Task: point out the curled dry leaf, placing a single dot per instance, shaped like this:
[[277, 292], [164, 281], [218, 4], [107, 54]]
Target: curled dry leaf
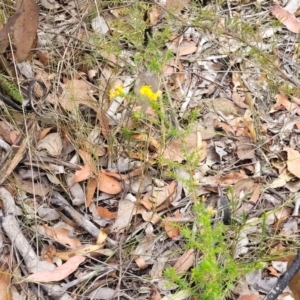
[[105, 213], [84, 173], [90, 191], [177, 149], [58, 273], [170, 228], [85, 249], [125, 212], [33, 188], [245, 148], [145, 248], [149, 216], [102, 236], [184, 262], [25, 29], [232, 178], [154, 14], [60, 235], [286, 18], [52, 143], [187, 49], [293, 161], [283, 102], [108, 184], [155, 295]]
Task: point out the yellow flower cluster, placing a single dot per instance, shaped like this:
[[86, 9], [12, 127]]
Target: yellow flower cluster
[[117, 91], [147, 91]]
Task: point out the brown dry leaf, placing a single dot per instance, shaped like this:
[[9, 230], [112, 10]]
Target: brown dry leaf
[[79, 92], [255, 195], [44, 132], [179, 76], [103, 122], [154, 295], [282, 215], [108, 184], [34, 188], [283, 102], [84, 173], [245, 148], [286, 18], [176, 5], [132, 174], [4, 41], [25, 29], [6, 132], [85, 249], [293, 161], [58, 273], [149, 216], [105, 213], [243, 127], [76, 92], [247, 206], [224, 126], [232, 178], [184, 262], [239, 100], [244, 187], [177, 148], [160, 194], [52, 143], [154, 14], [48, 253], [273, 271], [148, 204], [5, 291], [150, 140], [171, 229], [60, 235], [86, 157], [87, 170], [187, 49], [90, 191], [251, 128]]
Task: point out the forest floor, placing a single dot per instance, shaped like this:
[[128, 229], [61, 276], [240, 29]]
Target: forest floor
[[149, 149]]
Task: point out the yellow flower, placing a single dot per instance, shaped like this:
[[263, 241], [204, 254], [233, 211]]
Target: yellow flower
[[211, 211], [147, 91], [115, 92]]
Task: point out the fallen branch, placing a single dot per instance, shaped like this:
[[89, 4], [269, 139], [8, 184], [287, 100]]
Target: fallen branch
[[13, 231], [64, 206], [285, 279]]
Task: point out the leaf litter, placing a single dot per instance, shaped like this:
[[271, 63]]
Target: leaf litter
[[103, 186]]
